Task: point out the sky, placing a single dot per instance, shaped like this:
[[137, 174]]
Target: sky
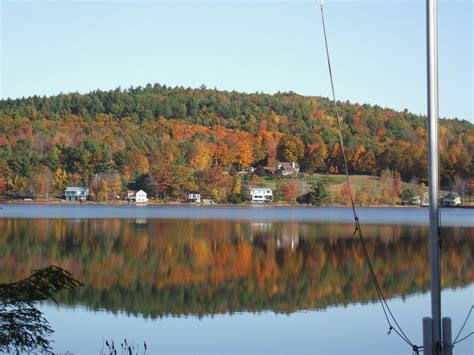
[[378, 48]]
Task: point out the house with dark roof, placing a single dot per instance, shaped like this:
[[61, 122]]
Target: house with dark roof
[[288, 168], [451, 199]]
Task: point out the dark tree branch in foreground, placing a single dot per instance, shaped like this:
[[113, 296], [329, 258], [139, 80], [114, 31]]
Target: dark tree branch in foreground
[[22, 326]]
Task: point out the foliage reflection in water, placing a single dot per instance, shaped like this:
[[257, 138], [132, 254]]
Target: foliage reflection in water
[[196, 267]]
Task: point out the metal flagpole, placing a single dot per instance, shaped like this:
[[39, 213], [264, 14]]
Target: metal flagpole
[[433, 152]]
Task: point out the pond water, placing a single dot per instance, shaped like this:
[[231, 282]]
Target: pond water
[[247, 280]]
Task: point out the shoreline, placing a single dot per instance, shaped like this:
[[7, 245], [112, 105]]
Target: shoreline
[[184, 204]]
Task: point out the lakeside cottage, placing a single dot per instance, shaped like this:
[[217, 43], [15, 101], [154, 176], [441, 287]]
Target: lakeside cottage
[[194, 197], [261, 195], [451, 199], [136, 196], [76, 193]]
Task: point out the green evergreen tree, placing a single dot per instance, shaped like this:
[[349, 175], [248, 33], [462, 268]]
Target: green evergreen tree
[[407, 195], [319, 194]]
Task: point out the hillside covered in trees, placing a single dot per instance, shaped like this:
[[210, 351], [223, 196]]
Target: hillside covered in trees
[[172, 140]]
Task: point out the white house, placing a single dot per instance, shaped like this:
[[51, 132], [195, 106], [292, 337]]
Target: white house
[[451, 199], [76, 193], [194, 197], [136, 196], [261, 194]]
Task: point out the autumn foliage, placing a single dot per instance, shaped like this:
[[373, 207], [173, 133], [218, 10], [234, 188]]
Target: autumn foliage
[[171, 140]]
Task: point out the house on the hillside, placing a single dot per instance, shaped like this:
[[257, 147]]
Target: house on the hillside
[[194, 197], [136, 196], [288, 168], [451, 199], [76, 193], [261, 195]]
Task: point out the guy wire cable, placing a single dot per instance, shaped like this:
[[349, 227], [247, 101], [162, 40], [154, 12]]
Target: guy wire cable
[[456, 341], [385, 307]]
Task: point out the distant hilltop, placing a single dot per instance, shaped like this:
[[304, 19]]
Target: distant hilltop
[[152, 101], [174, 140]]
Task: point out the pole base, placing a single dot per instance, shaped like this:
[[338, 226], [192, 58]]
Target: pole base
[[428, 336]]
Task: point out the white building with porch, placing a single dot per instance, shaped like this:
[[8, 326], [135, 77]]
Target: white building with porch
[[136, 196], [76, 193], [261, 195], [194, 197]]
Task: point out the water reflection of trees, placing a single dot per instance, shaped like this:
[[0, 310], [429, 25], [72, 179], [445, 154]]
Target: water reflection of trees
[[158, 267]]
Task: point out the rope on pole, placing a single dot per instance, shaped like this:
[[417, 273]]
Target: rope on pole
[[358, 230], [462, 327]]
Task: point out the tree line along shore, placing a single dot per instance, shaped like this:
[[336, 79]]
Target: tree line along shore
[[315, 190]]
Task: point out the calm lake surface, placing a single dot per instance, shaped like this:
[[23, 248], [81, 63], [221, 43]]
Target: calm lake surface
[[250, 280]]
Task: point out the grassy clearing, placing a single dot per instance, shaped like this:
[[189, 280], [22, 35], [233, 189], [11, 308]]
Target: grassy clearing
[[367, 189], [331, 181]]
